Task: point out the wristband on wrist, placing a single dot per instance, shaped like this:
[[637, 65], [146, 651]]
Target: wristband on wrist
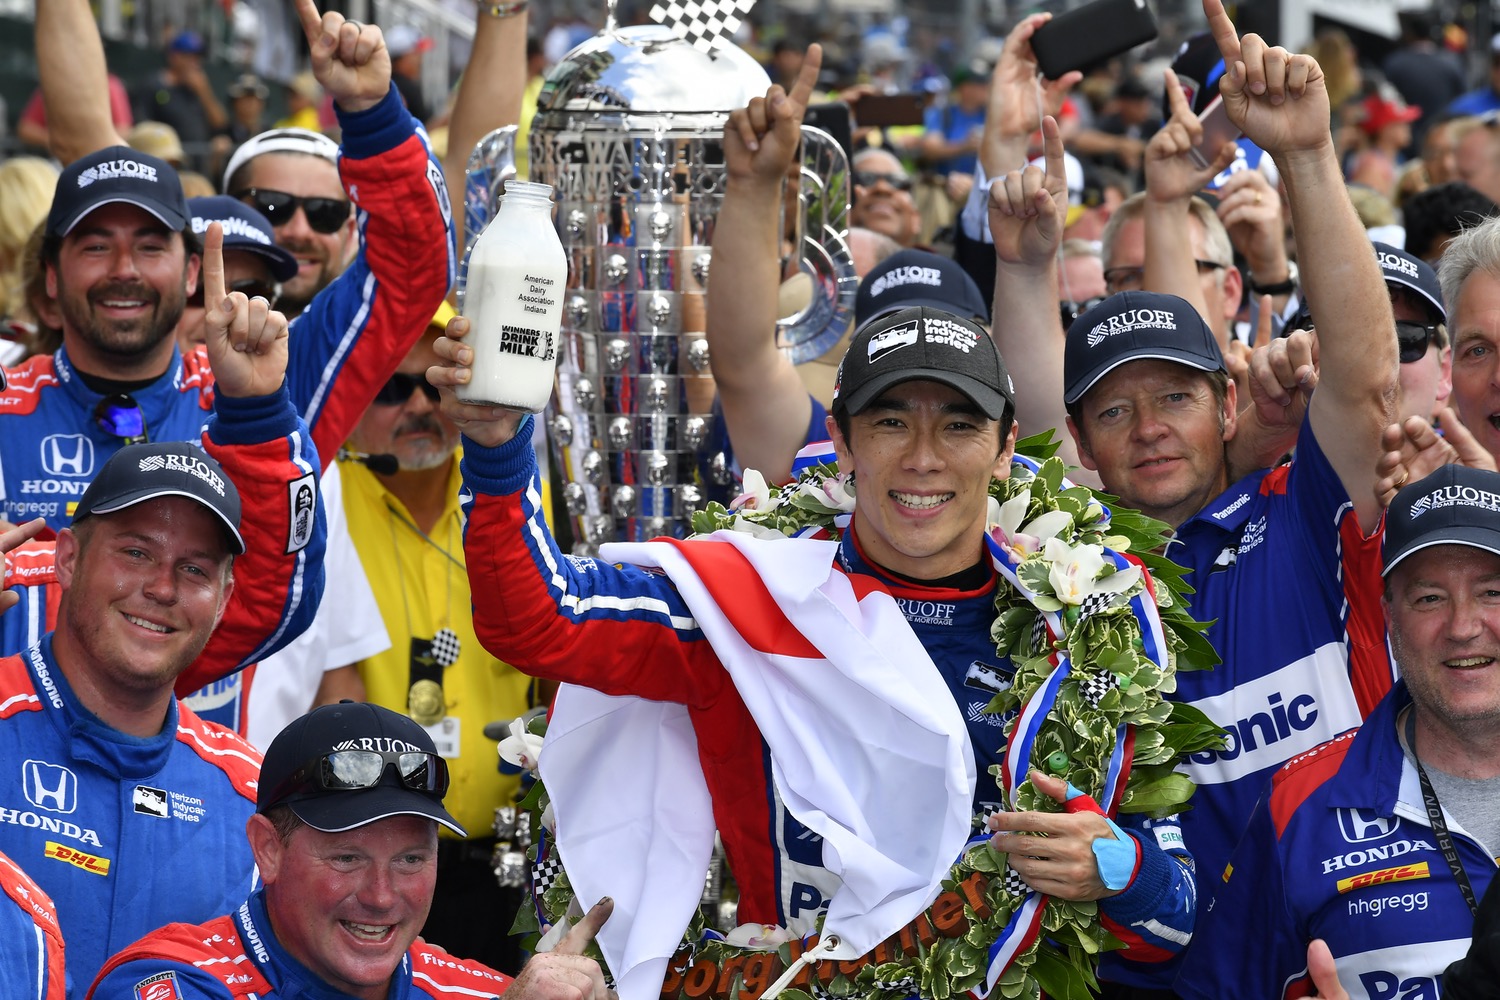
[[1284, 287], [506, 8]]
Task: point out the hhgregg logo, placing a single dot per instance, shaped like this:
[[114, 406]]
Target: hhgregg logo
[[1271, 719]]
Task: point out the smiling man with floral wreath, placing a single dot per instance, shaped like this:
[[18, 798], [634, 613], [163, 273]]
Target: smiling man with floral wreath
[[922, 417]]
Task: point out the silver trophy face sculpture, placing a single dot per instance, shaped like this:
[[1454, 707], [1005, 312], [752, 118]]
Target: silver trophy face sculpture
[[628, 132]]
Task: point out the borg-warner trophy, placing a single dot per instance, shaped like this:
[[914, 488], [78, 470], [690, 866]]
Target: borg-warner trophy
[[628, 131]]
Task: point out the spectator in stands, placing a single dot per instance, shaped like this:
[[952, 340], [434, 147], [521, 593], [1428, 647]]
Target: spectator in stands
[[345, 834], [182, 96], [407, 46], [31, 129], [1428, 77], [1477, 157], [304, 101], [1436, 215], [1385, 121], [26, 184], [1118, 138], [1422, 772], [1155, 430], [949, 147], [883, 198], [1482, 100]]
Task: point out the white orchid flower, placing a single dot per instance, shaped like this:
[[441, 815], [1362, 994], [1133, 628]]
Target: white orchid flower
[[758, 937], [521, 748], [838, 493], [1024, 540], [1078, 571], [757, 495], [549, 821]]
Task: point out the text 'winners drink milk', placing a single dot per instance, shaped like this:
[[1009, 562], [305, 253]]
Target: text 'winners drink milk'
[[517, 273]]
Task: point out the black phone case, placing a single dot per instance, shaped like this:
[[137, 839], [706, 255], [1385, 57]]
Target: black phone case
[[1091, 34]]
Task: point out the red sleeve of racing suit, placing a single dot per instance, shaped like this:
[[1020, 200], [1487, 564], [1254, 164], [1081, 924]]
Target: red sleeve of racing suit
[[278, 582], [618, 629], [356, 331]]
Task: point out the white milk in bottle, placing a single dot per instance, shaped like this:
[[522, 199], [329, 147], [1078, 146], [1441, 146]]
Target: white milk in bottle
[[517, 273]]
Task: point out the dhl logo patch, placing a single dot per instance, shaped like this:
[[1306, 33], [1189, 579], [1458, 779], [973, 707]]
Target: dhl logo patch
[[78, 859], [1405, 873]]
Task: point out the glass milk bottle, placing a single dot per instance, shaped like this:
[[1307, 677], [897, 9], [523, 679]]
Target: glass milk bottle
[[517, 273]]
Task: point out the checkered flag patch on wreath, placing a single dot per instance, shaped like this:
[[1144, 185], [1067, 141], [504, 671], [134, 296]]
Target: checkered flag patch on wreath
[[1094, 686], [1095, 603], [445, 647], [1014, 884], [903, 984], [702, 23], [544, 873], [1039, 634]]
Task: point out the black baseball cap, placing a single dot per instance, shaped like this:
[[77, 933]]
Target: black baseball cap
[[115, 175], [1455, 505], [918, 278], [924, 343], [141, 472], [305, 745], [1130, 326], [244, 229], [1401, 268]]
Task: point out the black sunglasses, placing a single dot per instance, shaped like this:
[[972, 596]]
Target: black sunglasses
[[1071, 310], [398, 389], [121, 416], [867, 178], [270, 291], [356, 770], [1413, 338], [324, 215]]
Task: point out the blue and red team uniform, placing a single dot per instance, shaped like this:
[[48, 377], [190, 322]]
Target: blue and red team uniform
[[343, 348], [622, 630], [1341, 848], [31, 945], [237, 957], [125, 833], [1293, 589]]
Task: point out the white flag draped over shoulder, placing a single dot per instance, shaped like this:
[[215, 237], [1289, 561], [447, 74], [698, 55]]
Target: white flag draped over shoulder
[[870, 711]]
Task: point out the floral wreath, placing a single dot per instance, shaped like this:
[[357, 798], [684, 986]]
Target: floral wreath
[[1095, 643]]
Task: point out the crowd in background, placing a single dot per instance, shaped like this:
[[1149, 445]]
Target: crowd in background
[[1416, 138]]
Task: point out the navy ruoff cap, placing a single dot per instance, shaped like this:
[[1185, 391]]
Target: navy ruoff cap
[[115, 175], [141, 472], [918, 278], [1455, 505], [244, 229], [1131, 326], [1401, 268], [924, 343]]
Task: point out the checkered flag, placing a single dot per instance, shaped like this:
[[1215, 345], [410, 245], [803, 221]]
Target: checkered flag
[[903, 984], [544, 873], [1095, 603], [702, 23], [1039, 634], [445, 647], [1093, 687], [1014, 884]]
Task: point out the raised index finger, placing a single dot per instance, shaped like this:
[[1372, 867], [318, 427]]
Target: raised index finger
[[1223, 31], [578, 938], [312, 21], [807, 77], [1052, 150], [213, 266]]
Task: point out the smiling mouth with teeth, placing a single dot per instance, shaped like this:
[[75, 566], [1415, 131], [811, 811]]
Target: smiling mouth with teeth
[[1469, 661], [368, 932], [920, 502], [148, 625]]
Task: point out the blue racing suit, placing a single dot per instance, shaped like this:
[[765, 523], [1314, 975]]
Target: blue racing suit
[[622, 630], [1339, 848]]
